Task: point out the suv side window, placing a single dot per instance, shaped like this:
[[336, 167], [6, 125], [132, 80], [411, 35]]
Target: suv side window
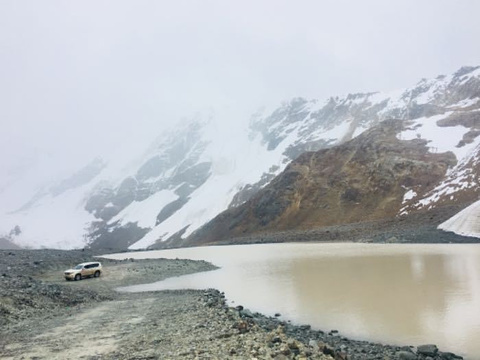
[[87, 266], [94, 265]]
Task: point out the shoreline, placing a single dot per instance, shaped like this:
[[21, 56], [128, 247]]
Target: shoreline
[[419, 229], [28, 276]]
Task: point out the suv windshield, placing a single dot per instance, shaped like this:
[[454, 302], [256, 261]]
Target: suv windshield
[[78, 267]]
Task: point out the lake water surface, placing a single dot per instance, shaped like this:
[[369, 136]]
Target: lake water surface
[[392, 293]]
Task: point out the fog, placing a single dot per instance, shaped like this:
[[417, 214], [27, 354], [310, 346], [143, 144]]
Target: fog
[[83, 79]]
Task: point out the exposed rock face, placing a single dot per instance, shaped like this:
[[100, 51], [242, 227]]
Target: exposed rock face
[[362, 180]]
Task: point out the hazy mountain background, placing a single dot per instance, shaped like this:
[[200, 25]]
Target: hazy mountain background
[[94, 96], [386, 155]]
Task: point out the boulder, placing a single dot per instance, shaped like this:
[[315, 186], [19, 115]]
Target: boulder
[[427, 350], [449, 356]]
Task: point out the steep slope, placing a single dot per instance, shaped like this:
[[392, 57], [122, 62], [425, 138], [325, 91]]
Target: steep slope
[[197, 170], [364, 179]]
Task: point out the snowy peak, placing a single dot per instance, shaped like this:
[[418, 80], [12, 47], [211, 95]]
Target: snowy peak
[[309, 125]]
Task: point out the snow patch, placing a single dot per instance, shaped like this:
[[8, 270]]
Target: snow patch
[[466, 222], [440, 138], [409, 195], [144, 213]]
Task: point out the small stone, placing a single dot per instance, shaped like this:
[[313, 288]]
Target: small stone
[[292, 344], [313, 344], [276, 340], [285, 350], [326, 349], [242, 326]]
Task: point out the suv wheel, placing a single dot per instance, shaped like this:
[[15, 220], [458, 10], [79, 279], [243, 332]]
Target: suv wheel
[[78, 277], [97, 273]]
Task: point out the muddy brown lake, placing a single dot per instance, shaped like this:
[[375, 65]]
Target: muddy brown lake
[[390, 293]]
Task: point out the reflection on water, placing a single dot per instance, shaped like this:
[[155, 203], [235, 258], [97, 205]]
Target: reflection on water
[[406, 294]]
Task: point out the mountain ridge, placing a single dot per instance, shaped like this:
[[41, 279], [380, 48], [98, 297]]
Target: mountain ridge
[[189, 176]]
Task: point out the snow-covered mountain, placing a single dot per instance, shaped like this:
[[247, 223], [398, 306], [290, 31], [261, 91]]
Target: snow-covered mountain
[[194, 172]]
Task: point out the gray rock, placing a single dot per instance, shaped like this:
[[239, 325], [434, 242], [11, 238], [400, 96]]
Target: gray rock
[[246, 313], [427, 350], [448, 356], [313, 344], [406, 355]]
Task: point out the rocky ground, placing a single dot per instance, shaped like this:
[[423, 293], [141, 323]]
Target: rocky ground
[[42, 316]]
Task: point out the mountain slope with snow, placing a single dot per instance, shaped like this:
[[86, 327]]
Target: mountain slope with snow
[[191, 174]]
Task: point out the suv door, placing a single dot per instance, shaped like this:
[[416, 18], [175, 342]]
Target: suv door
[[93, 268], [87, 270]]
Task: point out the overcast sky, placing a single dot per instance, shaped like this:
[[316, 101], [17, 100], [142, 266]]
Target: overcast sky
[[78, 77]]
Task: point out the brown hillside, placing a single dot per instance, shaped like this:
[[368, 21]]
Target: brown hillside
[[362, 180]]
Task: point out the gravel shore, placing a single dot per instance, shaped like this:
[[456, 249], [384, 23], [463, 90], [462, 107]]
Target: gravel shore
[[42, 316]]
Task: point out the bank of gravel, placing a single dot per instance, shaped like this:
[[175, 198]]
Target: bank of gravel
[[44, 317], [31, 282], [413, 229]]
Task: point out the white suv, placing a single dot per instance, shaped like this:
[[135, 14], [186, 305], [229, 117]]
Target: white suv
[[87, 269]]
